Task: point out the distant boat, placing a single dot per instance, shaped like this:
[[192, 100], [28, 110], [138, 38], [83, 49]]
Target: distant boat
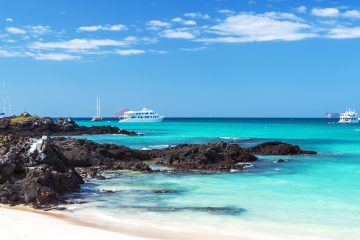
[[5, 103], [97, 117], [348, 117], [143, 116]]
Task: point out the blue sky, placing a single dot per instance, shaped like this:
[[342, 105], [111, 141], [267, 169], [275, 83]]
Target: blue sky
[[206, 58]]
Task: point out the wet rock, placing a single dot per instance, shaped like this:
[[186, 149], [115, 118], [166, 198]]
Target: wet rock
[[84, 153], [100, 177], [277, 148], [280, 161], [165, 191], [219, 156], [107, 191]]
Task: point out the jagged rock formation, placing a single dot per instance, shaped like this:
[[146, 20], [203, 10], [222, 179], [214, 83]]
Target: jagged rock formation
[[219, 156], [40, 171], [32, 126], [34, 172], [277, 148]]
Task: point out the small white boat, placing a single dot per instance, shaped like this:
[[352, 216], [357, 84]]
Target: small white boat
[[97, 117], [143, 116], [349, 117]]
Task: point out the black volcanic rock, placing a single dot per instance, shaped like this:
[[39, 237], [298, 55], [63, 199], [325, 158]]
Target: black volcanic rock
[[219, 156], [40, 171], [277, 148], [85, 153], [27, 125], [34, 172]]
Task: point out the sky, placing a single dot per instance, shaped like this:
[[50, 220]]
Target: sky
[[182, 58]]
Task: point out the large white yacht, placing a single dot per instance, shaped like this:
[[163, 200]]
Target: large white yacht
[[144, 115], [350, 116]]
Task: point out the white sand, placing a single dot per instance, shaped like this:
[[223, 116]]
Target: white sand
[[26, 225]]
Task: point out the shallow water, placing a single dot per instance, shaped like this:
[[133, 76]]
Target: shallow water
[[315, 196]]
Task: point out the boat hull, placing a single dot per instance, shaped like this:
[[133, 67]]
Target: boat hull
[[96, 119], [142, 120], [349, 122]]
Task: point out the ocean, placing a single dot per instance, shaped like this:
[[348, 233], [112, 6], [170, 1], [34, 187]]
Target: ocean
[[306, 197]]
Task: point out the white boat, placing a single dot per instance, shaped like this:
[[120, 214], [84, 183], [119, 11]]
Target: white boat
[[97, 117], [349, 117], [143, 116]]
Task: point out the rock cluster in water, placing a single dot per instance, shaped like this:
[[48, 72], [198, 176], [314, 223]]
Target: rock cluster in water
[[38, 171], [277, 148], [218, 156]]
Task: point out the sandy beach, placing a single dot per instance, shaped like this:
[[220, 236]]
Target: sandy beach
[[26, 224]]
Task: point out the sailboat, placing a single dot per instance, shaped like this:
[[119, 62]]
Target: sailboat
[[97, 117], [5, 103]]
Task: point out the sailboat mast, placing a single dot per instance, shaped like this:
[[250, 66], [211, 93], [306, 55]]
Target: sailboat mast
[[98, 107], [5, 103], [99, 114]]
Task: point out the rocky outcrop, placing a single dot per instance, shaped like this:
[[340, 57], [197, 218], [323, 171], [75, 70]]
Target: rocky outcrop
[[85, 153], [277, 148], [219, 156], [32, 126], [34, 172], [40, 171]]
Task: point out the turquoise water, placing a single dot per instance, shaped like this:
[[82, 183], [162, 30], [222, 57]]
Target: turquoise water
[[317, 196]]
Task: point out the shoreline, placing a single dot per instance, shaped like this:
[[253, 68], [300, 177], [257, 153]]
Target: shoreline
[[25, 223], [36, 224]]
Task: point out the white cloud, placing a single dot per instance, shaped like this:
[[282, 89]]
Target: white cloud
[[15, 30], [9, 19], [38, 56], [150, 40], [39, 30], [248, 27], [78, 44], [197, 15], [334, 12], [158, 51], [55, 56], [127, 52], [131, 39], [193, 49], [344, 32], [351, 14], [114, 28], [6, 53], [177, 34], [184, 22], [157, 24], [302, 9], [282, 16], [325, 12], [226, 11]]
